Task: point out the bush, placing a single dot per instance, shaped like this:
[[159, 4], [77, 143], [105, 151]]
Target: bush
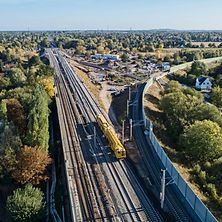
[[213, 192], [26, 204], [196, 169], [202, 177]]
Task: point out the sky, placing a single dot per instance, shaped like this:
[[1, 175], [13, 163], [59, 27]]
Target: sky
[[110, 14]]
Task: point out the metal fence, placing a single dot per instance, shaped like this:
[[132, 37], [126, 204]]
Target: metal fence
[[196, 204]]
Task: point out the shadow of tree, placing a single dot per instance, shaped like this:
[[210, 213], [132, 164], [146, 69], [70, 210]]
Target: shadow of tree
[[152, 99]]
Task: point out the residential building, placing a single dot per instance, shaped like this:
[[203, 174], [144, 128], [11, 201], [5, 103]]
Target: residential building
[[203, 83]]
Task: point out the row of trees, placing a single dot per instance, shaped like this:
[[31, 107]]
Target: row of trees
[[138, 41], [24, 40], [25, 95]]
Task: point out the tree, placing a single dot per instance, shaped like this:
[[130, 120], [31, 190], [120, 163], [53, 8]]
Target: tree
[[206, 112], [38, 124], [45, 70], [34, 60], [80, 49], [3, 115], [161, 46], [7, 163], [177, 59], [17, 76], [1, 65], [9, 138], [100, 50], [202, 141], [4, 82], [198, 68], [124, 57], [202, 45], [178, 108], [217, 96], [26, 204], [31, 165], [172, 86], [141, 56], [48, 85], [16, 114], [45, 43]]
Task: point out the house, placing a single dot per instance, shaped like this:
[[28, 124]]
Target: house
[[203, 83], [165, 66]]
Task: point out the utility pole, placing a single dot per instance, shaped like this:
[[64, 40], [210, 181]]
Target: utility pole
[[127, 108], [131, 129], [94, 129], [123, 129], [163, 186], [129, 93]]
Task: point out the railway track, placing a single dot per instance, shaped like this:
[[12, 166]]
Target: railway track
[[121, 187], [86, 190], [90, 105], [131, 213], [172, 204]]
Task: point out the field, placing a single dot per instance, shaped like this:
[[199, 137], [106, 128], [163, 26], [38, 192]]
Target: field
[[171, 51]]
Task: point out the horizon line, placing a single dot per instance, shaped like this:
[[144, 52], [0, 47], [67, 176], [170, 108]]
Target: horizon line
[[110, 30]]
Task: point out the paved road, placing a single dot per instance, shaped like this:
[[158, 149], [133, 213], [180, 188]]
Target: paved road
[[188, 64]]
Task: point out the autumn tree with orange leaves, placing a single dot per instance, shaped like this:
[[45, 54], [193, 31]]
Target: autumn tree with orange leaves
[[31, 165]]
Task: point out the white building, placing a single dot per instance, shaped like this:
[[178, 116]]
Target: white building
[[203, 83], [166, 66], [106, 57]]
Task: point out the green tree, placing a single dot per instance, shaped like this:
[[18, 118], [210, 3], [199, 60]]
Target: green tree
[[124, 57], [217, 96], [178, 108], [45, 43], [202, 141], [172, 86], [206, 112], [38, 124], [198, 68], [3, 115], [34, 60], [17, 76], [4, 82], [9, 138], [26, 204], [1, 65], [177, 59], [7, 164]]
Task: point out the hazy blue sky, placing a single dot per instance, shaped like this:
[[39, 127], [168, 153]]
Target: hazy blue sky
[[112, 14]]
